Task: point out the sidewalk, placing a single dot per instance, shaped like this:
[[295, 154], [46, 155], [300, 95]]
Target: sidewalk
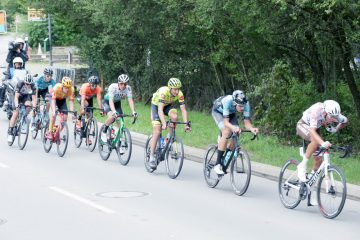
[[257, 169]]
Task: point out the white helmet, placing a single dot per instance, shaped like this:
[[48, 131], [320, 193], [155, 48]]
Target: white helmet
[[123, 78], [332, 108], [18, 60], [19, 40], [239, 97]]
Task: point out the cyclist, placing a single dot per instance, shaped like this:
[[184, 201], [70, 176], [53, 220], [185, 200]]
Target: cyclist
[[319, 114], [87, 92], [112, 100], [162, 103], [24, 94], [44, 86], [61, 91], [224, 113]]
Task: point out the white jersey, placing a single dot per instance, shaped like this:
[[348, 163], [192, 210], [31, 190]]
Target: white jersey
[[314, 116], [116, 94]]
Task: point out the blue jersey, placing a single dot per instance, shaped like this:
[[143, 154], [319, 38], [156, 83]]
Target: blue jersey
[[226, 106], [42, 85]]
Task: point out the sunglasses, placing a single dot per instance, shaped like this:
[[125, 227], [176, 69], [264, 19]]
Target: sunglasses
[[123, 83]]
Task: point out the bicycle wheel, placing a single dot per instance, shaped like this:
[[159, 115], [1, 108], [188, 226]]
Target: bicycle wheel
[[47, 144], [289, 185], [92, 134], [63, 139], [331, 192], [34, 132], [211, 177], [174, 157], [240, 172], [23, 132], [77, 136], [124, 147], [104, 148], [147, 155]]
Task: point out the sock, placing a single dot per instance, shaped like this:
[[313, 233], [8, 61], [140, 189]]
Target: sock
[[219, 157]]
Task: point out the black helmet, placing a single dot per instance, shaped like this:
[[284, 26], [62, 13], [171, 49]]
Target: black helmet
[[93, 80], [48, 71]]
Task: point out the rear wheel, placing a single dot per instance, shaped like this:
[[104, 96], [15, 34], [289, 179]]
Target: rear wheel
[[23, 132], [211, 178], [92, 134], [289, 185], [331, 192], [240, 173], [46, 142], [147, 155], [124, 147], [174, 157], [63, 139], [104, 148]]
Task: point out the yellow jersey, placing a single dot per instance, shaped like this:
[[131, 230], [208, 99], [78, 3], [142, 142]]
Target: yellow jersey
[[163, 95]]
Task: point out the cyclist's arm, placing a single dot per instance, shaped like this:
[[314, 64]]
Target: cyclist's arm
[[16, 100], [248, 125], [183, 112], [98, 96], [131, 104], [82, 103], [227, 124], [161, 113], [112, 105]]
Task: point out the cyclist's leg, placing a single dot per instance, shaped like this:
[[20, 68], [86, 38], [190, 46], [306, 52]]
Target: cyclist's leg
[[155, 119], [12, 122], [225, 132]]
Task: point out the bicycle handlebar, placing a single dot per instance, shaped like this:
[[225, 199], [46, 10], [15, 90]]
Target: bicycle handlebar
[[127, 115], [347, 150], [187, 123], [244, 131]]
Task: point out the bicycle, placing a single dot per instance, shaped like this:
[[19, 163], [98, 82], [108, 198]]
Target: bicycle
[[41, 119], [171, 150], [331, 184], [88, 130], [239, 162], [21, 128], [120, 141], [60, 136]]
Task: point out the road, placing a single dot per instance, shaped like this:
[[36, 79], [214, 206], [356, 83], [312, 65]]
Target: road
[[43, 196]]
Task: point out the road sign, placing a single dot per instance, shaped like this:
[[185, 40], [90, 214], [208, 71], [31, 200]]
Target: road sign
[[3, 28], [35, 15]]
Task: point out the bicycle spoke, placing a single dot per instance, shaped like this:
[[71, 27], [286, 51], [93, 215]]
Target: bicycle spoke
[[289, 185]]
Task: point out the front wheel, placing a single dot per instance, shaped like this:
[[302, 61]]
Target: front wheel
[[124, 147], [47, 143], [240, 172], [211, 178], [104, 147], [331, 192], [63, 139], [289, 185], [174, 157], [77, 136], [23, 132], [92, 134], [147, 155]]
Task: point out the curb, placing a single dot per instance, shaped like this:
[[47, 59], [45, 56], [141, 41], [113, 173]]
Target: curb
[[257, 169]]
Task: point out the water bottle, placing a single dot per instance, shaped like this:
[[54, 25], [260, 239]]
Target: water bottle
[[162, 143], [227, 157]]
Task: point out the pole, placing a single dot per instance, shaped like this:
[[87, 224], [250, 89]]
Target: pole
[[50, 45]]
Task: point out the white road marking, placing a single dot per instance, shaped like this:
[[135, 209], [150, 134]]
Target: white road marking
[[83, 200], [2, 165]]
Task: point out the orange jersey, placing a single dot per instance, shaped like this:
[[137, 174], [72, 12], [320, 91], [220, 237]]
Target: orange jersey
[[86, 91], [58, 94]]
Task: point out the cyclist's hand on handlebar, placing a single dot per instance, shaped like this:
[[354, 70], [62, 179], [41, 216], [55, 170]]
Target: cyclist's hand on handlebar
[[102, 113], [135, 114], [236, 130], [255, 131], [187, 128], [326, 145], [115, 114], [163, 125]]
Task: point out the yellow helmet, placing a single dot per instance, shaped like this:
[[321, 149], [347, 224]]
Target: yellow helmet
[[66, 82], [174, 83]]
